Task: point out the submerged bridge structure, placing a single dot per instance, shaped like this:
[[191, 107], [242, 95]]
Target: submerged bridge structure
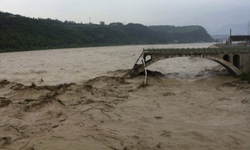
[[235, 59]]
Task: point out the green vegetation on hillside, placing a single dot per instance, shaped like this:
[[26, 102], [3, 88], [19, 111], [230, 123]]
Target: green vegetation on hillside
[[186, 34], [18, 33]]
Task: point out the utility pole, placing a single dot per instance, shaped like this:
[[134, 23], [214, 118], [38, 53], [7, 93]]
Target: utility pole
[[248, 27]]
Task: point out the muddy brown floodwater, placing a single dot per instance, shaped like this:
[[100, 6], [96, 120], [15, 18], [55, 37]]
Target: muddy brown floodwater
[[77, 99]]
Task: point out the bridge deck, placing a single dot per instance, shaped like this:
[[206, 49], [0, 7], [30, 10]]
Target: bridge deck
[[198, 50], [226, 56]]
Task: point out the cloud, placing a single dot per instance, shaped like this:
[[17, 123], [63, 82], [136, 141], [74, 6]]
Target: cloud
[[208, 13]]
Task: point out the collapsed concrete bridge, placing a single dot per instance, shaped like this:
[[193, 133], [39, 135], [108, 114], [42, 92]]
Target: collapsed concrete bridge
[[235, 59]]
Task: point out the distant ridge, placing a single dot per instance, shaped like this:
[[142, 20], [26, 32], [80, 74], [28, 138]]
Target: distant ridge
[[237, 29], [220, 38], [19, 33], [185, 34]]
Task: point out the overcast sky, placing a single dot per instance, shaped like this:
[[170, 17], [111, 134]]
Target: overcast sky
[[211, 14]]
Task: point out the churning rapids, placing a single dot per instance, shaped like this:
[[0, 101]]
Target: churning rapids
[[78, 99]]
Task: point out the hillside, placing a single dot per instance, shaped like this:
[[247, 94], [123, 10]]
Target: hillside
[[186, 34], [19, 33]]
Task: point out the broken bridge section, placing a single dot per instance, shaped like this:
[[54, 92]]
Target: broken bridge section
[[235, 59]]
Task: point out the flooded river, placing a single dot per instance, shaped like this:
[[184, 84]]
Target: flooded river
[[77, 99], [79, 64]]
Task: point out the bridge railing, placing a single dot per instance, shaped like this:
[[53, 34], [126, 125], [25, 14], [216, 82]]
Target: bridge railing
[[198, 50]]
